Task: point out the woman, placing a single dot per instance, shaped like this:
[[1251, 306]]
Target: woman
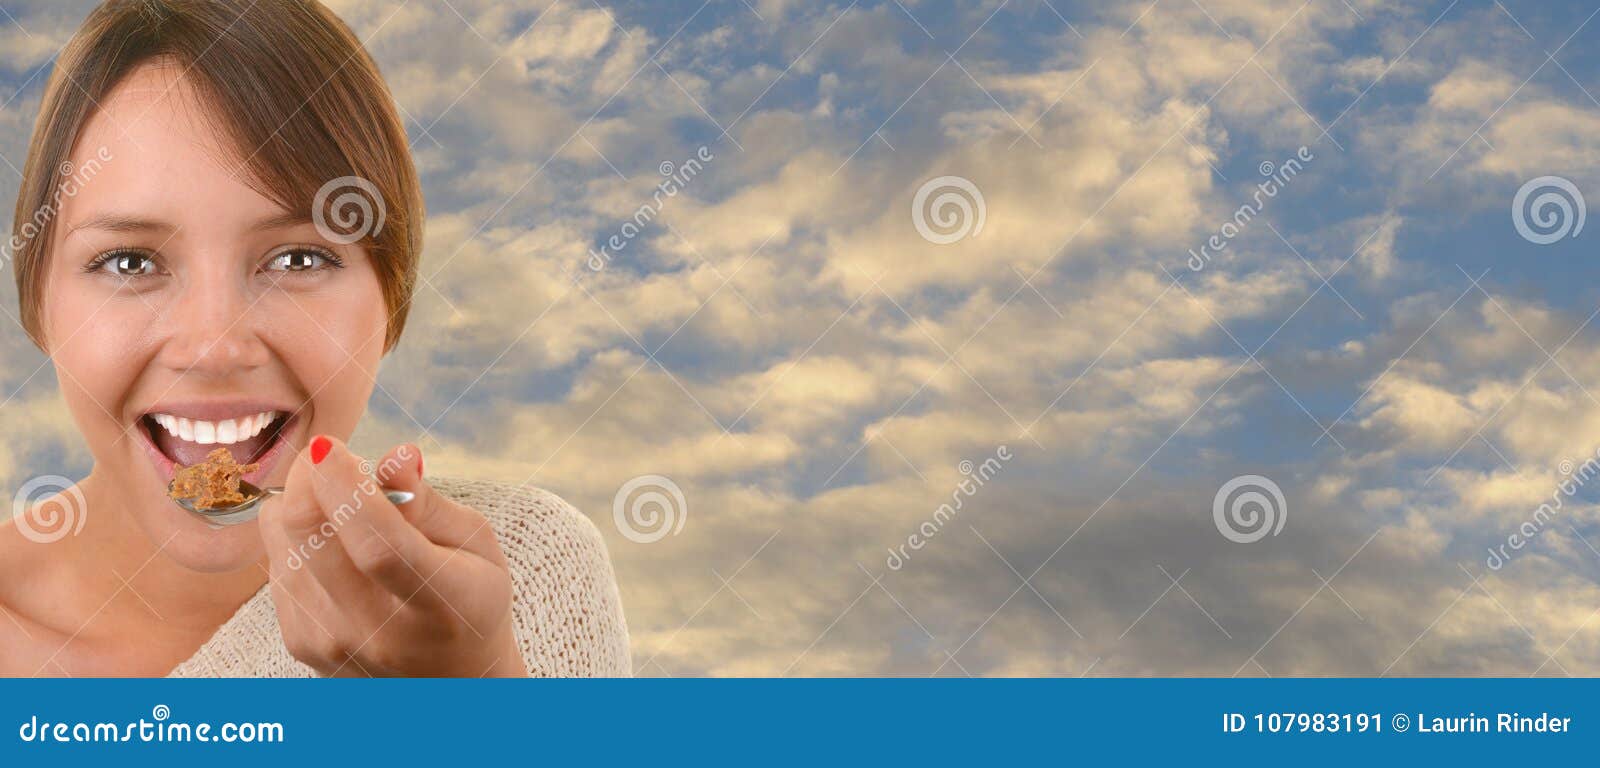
[[178, 256]]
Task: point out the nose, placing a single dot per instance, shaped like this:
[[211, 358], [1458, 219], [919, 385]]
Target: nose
[[212, 329]]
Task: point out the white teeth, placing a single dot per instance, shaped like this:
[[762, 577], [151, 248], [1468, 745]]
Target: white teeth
[[225, 432]]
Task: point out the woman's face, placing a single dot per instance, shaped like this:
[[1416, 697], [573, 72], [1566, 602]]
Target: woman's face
[[185, 312]]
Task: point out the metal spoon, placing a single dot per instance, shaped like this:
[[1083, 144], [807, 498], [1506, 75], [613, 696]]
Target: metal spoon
[[246, 510]]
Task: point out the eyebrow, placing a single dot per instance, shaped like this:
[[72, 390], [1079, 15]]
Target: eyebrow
[[281, 221], [124, 223], [116, 222]]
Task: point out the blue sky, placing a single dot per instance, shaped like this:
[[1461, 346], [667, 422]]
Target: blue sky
[[784, 346]]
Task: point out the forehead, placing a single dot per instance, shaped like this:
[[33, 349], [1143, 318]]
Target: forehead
[[162, 155]]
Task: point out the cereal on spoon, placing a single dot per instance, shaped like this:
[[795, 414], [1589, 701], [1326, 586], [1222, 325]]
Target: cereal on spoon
[[213, 483]]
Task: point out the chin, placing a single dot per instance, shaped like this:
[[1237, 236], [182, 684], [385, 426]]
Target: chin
[[195, 545], [171, 435]]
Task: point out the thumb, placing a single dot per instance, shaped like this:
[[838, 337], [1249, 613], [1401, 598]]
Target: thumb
[[296, 510]]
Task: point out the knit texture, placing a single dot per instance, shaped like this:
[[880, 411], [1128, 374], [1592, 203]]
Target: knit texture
[[566, 609]]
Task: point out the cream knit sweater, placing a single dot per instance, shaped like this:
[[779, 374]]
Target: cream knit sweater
[[566, 610]]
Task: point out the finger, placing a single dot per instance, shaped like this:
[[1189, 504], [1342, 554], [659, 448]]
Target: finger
[[304, 635], [378, 539], [473, 580], [311, 547], [293, 517], [288, 523], [284, 564], [297, 597], [444, 521], [274, 540]]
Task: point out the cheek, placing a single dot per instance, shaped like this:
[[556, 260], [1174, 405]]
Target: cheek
[[332, 344], [97, 346]]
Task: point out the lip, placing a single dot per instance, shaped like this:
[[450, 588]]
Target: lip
[[287, 438]]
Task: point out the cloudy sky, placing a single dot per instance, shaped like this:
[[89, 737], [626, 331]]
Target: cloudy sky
[[930, 235]]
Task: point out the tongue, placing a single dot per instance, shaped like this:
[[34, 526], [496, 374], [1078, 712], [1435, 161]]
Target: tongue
[[188, 454]]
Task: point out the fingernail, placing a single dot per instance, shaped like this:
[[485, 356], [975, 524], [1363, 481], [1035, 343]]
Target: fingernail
[[319, 449], [419, 462]]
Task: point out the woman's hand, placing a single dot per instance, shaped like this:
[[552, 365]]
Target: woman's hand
[[363, 587]]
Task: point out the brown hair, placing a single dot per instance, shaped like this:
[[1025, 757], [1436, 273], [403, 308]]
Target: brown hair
[[288, 83]]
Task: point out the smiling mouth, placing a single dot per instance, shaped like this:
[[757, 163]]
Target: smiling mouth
[[186, 441]]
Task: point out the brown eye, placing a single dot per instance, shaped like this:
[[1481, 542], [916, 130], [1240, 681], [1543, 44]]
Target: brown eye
[[299, 260], [129, 264]]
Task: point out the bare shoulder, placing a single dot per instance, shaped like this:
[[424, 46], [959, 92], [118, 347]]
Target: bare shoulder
[[24, 561], [27, 592], [568, 608]]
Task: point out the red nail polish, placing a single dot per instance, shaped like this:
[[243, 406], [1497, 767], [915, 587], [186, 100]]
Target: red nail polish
[[419, 462], [319, 449]]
